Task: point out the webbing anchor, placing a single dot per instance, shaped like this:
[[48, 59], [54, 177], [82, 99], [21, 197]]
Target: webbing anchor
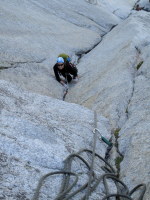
[[102, 137]]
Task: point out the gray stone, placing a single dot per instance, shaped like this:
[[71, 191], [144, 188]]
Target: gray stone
[[119, 90], [107, 73], [134, 139], [34, 38], [120, 8], [35, 32], [145, 4], [37, 134]]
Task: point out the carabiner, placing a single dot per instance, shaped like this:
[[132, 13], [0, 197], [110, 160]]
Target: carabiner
[[96, 129]]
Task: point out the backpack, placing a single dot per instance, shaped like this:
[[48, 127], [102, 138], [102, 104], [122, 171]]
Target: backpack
[[65, 57]]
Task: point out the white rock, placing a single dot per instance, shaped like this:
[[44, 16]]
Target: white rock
[[134, 139], [32, 34], [120, 8], [107, 73], [37, 135], [35, 32]]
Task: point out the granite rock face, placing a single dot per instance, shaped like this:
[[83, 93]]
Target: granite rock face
[[35, 32], [108, 71], [116, 75], [144, 4], [37, 134], [120, 8], [134, 135], [110, 43]]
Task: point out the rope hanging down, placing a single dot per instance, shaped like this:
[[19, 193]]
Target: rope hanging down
[[93, 157], [66, 88], [69, 190]]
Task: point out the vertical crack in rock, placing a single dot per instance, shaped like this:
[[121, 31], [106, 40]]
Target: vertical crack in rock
[[118, 156], [126, 111], [136, 67]]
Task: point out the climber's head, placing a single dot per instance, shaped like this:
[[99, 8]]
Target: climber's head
[[60, 62]]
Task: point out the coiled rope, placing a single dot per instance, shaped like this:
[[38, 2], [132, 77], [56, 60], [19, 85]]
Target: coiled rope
[[93, 182]]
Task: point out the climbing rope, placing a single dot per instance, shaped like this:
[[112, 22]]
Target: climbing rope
[[93, 157], [65, 93], [66, 87], [70, 188]]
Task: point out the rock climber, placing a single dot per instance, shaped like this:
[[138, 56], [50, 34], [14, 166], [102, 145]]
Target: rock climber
[[138, 7], [65, 68]]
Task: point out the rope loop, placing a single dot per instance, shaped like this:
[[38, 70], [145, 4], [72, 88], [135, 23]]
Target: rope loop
[[71, 188]]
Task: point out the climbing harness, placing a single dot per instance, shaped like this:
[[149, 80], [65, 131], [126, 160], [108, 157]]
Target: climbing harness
[[70, 188]]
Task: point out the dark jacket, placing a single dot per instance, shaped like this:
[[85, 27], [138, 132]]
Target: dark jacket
[[69, 68]]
